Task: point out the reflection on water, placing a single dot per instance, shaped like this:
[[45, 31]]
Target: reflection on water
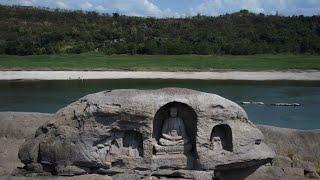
[[49, 96]]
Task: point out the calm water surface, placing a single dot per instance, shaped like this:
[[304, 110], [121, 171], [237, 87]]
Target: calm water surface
[[49, 96]]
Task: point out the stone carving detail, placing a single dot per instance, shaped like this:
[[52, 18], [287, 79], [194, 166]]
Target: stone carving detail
[[153, 132], [174, 138], [121, 144], [127, 143], [221, 138], [133, 142], [174, 132]]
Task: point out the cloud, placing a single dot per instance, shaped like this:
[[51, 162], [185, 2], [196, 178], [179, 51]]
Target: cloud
[[285, 7], [26, 3], [100, 8], [86, 5], [61, 5], [135, 7], [128, 7], [179, 8]]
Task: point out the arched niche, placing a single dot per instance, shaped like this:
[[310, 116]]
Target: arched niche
[[185, 112], [223, 133], [133, 141]]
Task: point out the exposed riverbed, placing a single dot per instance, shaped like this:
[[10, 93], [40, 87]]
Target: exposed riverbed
[[301, 75]]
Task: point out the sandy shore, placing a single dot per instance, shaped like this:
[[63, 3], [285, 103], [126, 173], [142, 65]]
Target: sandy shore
[[308, 75]]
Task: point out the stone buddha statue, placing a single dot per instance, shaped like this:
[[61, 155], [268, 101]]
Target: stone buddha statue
[[174, 139], [216, 143]]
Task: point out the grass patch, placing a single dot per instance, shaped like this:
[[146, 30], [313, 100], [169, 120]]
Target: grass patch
[[91, 61]]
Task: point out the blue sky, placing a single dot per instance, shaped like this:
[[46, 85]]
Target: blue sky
[[179, 8]]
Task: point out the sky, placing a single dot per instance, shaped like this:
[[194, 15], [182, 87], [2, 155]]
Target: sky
[[179, 8]]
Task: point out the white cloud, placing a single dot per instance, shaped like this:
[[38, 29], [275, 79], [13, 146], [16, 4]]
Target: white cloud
[[135, 7], [61, 5], [100, 8], [27, 3], [152, 8], [217, 7], [285, 7], [86, 5], [128, 7]]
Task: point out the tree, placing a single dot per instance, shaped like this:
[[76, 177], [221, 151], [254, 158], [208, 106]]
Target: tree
[[27, 30]]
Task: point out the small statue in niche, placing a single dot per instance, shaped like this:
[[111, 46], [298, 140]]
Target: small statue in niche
[[216, 143], [123, 144], [132, 142], [174, 139]]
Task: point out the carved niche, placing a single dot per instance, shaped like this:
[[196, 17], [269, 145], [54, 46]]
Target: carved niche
[[121, 144], [221, 138], [174, 129]]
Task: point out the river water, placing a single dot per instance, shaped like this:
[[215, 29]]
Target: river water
[[49, 96]]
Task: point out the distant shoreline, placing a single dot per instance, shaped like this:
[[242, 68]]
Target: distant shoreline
[[294, 75]]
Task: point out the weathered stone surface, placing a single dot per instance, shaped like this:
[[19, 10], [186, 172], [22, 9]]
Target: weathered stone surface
[[294, 148], [282, 161], [9, 159], [15, 127], [20, 125], [121, 128], [3, 171], [34, 167], [183, 174], [308, 168], [272, 173], [292, 142], [294, 171], [80, 177], [69, 170]]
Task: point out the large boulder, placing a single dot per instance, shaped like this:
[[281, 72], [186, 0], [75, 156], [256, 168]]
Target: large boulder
[[123, 131]]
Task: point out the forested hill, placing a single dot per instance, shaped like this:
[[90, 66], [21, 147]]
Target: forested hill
[[26, 31]]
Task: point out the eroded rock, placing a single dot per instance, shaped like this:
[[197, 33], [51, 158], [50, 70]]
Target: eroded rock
[[298, 149], [130, 131]]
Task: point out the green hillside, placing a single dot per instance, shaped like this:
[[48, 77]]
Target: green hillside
[[31, 31]]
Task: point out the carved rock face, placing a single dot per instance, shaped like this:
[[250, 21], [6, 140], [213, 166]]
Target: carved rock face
[[119, 130]]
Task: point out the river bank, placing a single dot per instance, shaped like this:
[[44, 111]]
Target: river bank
[[291, 75]]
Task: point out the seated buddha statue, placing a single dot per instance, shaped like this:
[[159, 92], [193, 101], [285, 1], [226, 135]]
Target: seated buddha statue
[[216, 143], [174, 139]]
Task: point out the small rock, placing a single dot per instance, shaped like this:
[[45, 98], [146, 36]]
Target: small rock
[[286, 104], [268, 172], [18, 172], [127, 176], [34, 167], [252, 102], [282, 161], [258, 103], [308, 168], [294, 171], [245, 103], [102, 171], [69, 170]]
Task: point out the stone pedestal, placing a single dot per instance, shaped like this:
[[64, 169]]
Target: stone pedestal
[[172, 161]]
